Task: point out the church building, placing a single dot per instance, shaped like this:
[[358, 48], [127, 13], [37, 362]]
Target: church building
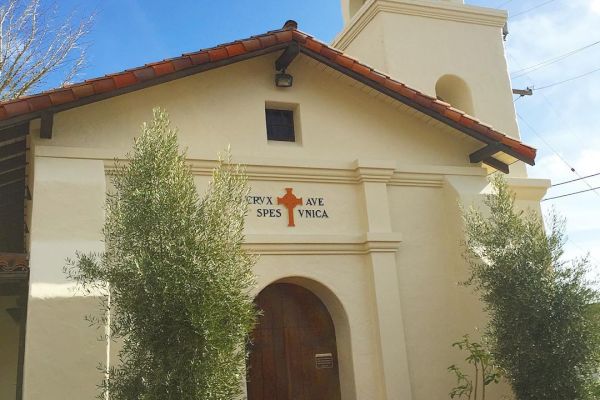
[[359, 154]]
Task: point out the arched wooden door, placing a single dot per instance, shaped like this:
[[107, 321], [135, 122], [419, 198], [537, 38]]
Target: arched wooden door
[[294, 355]]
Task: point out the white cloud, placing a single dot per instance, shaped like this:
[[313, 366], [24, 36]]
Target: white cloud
[[589, 161], [552, 31], [595, 6]]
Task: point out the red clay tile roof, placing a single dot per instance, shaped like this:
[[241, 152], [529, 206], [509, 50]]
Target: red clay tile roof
[[27, 108]]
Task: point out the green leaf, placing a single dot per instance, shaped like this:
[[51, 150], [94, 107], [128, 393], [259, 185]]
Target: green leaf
[[541, 332], [179, 279]]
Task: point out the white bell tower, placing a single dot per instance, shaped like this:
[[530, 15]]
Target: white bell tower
[[441, 47]]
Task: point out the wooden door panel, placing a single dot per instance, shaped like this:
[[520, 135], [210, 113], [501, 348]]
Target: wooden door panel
[[280, 375], [294, 327], [293, 341], [255, 391]]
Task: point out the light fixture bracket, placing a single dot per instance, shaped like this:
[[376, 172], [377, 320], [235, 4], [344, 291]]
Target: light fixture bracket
[[283, 79]]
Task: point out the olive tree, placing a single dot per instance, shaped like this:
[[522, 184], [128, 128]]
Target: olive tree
[[544, 336], [178, 277]]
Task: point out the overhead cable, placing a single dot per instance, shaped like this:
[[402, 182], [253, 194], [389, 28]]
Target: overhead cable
[[550, 61], [575, 180], [550, 105], [531, 9], [572, 194], [503, 3], [532, 129], [567, 80]]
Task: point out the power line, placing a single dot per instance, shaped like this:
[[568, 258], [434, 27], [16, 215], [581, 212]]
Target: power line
[[531, 68], [532, 8], [575, 180], [504, 3], [571, 194], [557, 153], [566, 80], [546, 143], [550, 104]]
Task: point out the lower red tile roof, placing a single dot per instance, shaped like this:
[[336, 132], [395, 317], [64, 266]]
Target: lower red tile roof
[[30, 107]]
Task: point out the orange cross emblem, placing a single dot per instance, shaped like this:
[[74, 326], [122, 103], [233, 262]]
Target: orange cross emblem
[[290, 201]]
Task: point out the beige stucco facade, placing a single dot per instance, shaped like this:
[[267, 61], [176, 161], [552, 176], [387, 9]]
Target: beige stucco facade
[[386, 261]]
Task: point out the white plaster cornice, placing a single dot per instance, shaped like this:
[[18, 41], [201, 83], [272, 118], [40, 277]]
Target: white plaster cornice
[[429, 9], [374, 171], [299, 170], [529, 189], [323, 244]]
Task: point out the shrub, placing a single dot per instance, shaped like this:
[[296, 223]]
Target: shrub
[[540, 323], [179, 279]]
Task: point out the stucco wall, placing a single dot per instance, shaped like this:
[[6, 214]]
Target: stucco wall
[[385, 262], [420, 41], [340, 118]]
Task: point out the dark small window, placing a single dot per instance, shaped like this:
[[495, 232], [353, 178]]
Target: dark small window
[[280, 125]]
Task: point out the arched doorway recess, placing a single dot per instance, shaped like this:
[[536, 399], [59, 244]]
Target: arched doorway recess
[[294, 351]]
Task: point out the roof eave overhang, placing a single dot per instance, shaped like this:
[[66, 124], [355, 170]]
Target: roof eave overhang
[[416, 105], [291, 38], [17, 120]]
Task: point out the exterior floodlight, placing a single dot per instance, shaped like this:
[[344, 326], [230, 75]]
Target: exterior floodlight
[[283, 80]]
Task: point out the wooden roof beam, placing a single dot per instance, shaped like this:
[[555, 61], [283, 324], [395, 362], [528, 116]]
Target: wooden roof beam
[[484, 153], [16, 162], [8, 178], [495, 163], [15, 131], [13, 149], [288, 55], [47, 121]]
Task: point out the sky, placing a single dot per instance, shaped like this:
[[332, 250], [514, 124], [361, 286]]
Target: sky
[[562, 121]]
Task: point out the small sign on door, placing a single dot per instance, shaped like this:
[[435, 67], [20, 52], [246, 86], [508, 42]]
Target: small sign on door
[[324, 360]]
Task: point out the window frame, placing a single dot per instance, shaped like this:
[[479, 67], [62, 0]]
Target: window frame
[[277, 118]]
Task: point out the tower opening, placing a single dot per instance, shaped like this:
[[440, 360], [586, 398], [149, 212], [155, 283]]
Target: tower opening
[[454, 90]]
